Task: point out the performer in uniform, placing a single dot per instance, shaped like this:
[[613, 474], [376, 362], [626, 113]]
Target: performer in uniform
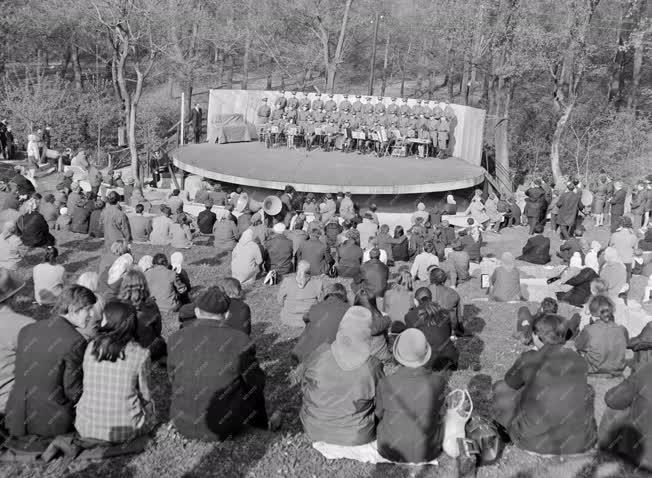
[[330, 105], [405, 108], [262, 117], [293, 102], [281, 101], [417, 109], [345, 104], [278, 113], [357, 105], [292, 114], [310, 133], [442, 136], [304, 101], [378, 107], [382, 119], [368, 108], [317, 103], [427, 110], [302, 115], [331, 134], [318, 115], [392, 108]]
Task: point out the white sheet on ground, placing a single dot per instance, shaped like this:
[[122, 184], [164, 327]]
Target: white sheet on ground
[[363, 453]]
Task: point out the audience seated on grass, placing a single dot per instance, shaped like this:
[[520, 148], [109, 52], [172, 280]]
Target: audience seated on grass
[[537, 248], [206, 219], [603, 343], [400, 251], [161, 228], [399, 297], [91, 280], [116, 403], [297, 293], [339, 385], [180, 233], [545, 402], [48, 371], [315, 252], [116, 223], [614, 273], [409, 403], [572, 245], [138, 198], [117, 249], [111, 279], [225, 232], [322, 321], [447, 298], [380, 325], [217, 384], [11, 324], [33, 228], [95, 226], [141, 225], [423, 261], [135, 291], [164, 285], [581, 288], [349, 255], [505, 281], [373, 276], [279, 255], [470, 246], [458, 264], [246, 258], [11, 247], [63, 221], [367, 228], [371, 245], [49, 210], [81, 215], [48, 278]]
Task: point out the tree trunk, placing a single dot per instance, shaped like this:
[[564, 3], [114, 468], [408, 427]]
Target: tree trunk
[[451, 72], [403, 74], [385, 64], [230, 66], [130, 117], [331, 70], [189, 88], [64, 62], [268, 85], [556, 141], [76, 68], [464, 82], [219, 53], [245, 61], [632, 99]]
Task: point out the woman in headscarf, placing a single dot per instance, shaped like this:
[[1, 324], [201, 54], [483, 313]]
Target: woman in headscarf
[[225, 232], [33, 228], [591, 258], [506, 280], [400, 251], [48, 278], [246, 259], [110, 281], [491, 208], [297, 294], [176, 263], [117, 249], [11, 247], [339, 385], [477, 210], [420, 213], [146, 263], [613, 272]]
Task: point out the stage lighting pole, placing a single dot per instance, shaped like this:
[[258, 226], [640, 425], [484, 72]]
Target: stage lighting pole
[[373, 55]]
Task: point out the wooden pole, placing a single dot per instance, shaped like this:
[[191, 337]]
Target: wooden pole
[[372, 73], [183, 119]]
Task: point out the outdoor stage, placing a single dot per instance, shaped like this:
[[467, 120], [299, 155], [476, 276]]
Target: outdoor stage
[[252, 164]]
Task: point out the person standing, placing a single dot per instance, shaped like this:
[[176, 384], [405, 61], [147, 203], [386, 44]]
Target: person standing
[[568, 205], [263, 114], [330, 106], [639, 201], [317, 103], [534, 203], [356, 107], [617, 202], [345, 104], [196, 116]]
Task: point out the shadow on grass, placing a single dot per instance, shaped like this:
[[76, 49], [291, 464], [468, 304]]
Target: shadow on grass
[[471, 346]]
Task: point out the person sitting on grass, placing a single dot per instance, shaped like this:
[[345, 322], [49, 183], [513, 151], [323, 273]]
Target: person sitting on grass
[[409, 404], [48, 278], [164, 285], [447, 298], [349, 255], [339, 385], [297, 294], [471, 246], [458, 264], [423, 262], [12, 249], [135, 291], [91, 280], [537, 248], [315, 252], [322, 321], [116, 372], [81, 215], [278, 252], [63, 221], [206, 219], [372, 276], [225, 233], [180, 233], [545, 402], [48, 374], [603, 343], [161, 228], [399, 298], [572, 245], [33, 228], [217, 383], [141, 225], [49, 210], [505, 281], [246, 258]]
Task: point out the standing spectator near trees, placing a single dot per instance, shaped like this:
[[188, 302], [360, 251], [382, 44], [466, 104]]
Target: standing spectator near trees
[[196, 121], [617, 202], [115, 221]]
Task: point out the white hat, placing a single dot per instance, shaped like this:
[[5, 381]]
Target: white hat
[[279, 228], [411, 348]]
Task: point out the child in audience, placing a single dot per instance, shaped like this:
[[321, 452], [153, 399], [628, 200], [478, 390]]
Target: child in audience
[[63, 221], [603, 343]]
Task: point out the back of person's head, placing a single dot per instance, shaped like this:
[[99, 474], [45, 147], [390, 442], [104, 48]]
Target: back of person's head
[[208, 204], [165, 210], [374, 253], [336, 290], [90, 280], [51, 254], [549, 305], [303, 273], [428, 247], [231, 287], [134, 288], [438, 276], [119, 247], [139, 208], [579, 231], [551, 329], [182, 218], [176, 192], [347, 225], [538, 229], [432, 314], [423, 295], [117, 330], [49, 198], [365, 299], [599, 287], [537, 182], [399, 231], [160, 259], [470, 221], [315, 233], [405, 279], [369, 216], [113, 198], [212, 304], [73, 298], [602, 307]]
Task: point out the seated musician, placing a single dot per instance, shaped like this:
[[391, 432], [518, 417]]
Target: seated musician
[[319, 115], [392, 108], [411, 133], [292, 114], [346, 130], [309, 133], [330, 136], [382, 119], [290, 131], [302, 115], [423, 133]]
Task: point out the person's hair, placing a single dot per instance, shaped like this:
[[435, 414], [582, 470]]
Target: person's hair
[[347, 225], [73, 298], [303, 273], [384, 229], [99, 203], [364, 299], [538, 229], [49, 198], [470, 221], [405, 280], [139, 208], [119, 247], [550, 328], [374, 253], [438, 276], [315, 233], [182, 218], [599, 286], [134, 288], [399, 232], [432, 314], [601, 306], [113, 198], [579, 232], [165, 210], [231, 287], [51, 254], [549, 305], [90, 280], [118, 329], [423, 294], [428, 247], [176, 192], [537, 181], [336, 290], [160, 259], [37, 196], [298, 224]]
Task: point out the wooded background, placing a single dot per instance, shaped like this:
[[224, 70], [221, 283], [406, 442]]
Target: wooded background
[[567, 84]]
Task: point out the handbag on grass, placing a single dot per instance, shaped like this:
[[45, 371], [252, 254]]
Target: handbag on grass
[[459, 407]]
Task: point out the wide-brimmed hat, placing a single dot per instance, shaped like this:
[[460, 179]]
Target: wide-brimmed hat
[[9, 284], [411, 349]]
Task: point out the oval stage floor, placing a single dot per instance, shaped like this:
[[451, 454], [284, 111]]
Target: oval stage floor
[[252, 164]]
